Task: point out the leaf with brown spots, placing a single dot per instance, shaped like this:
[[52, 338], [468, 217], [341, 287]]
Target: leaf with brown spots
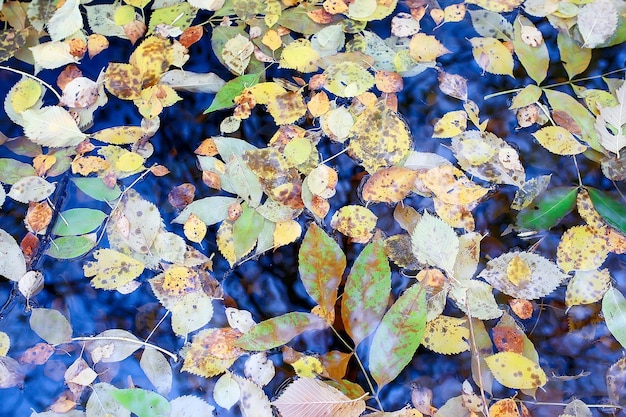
[[112, 269], [212, 352], [447, 335], [582, 248], [389, 185], [356, 222], [587, 287], [516, 371]]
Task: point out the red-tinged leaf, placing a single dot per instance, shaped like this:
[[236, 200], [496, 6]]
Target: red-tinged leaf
[[398, 336], [548, 209], [279, 330], [366, 292], [321, 265], [561, 102], [611, 208]]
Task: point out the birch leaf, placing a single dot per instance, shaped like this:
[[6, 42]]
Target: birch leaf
[[308, 397], [192, 82], [492, 56], [614, 311], [610, 124], [52, 126], [435, 243], [516, 371], [112, 269], [366, 291], [53, 54], [597, 22], [321, 263], [65, 21]]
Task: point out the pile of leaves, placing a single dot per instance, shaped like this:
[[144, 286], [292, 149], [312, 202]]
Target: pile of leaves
[[338, 81]]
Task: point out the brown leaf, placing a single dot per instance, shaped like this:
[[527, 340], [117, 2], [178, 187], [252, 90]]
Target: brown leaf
[[182, 195], [37, 355], [191, 35], [68, 74], [38, 217]]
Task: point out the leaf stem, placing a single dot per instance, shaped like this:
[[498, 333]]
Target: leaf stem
[[124, 339], [25, 74], [367, 378], [570, 82]]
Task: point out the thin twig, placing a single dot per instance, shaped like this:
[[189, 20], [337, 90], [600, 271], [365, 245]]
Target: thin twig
[[25, 74]]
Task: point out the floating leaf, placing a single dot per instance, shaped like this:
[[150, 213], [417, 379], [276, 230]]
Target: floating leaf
[[497, 5], [32, 188], [189, 406], [233, 88], [575, 58], [597, 22], [312, 397], [451, 124], [582, 248], [299, 55], [426, 48], [534, 56], [559, 140], [279, 330], [475, 298], [447, 335], [52, 126], [398, 336], [69, 247], [321, 263], [348, 79], [610, 208], [253, 400], [543, 275], [141, 402], [516, 371], [614, 312], [192, 82], [389, 185], [78, 221], [548, 209], [226, 391], [112, 269], [366, 291], [212, 352], [566, 104], [356, 222], [435, 243], [12, 262], [492, 56], [451, 186], [491, 25], [587, 287], [610, 124], [50, 325], [96, 189]]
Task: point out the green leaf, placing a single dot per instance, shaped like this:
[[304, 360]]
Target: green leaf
[[534, 59], [141, 402], [210, 210], [11, 170], [297, 20], [575, 58], [50, 325], [179, 15], [548, 209], [567, 104], [529, 95], [614, 311], [224, 98], [366, 292], [321, 263], [279, 330], [68, 247], [612, 210], [246, 230], [79, 221], [398, 336], [96, 189]]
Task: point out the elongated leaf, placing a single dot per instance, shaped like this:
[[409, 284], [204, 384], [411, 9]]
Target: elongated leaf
[[279, 330], [246, 230], [224, 98], [516, 371], [158, 369], [68, 247], [141, 402], [548, 209], [12, 262], [366, 292], [96, 189], [575, 58], [398, 336], [11, 171], [78, 221], [535, 59], [210, 210], [614, 311], [192, 81], [612, 209], [321, 265], [567, 104], [119, 135], [50, 325]]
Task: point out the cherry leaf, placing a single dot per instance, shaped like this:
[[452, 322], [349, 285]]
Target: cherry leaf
[[50, 325]]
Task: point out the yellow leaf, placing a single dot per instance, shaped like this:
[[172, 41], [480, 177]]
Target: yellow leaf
[[299, 55], [124, 14], [319, 104], [287, 107], [451, 124], [25, 94], [308, 367], [298, 150], [356, 222], [129, 162], [348, 79], [123, 80], [496, 5], [582, 248], [451, 185], [272, 40], [85, 165], [492, 56], [212, 352], [5, 343], [518, 271], [426, 48], [389, 185], [586, 210], [226, 243], [179, 280], [516, 371], [504, 408], [587, 287], [112, 269], [273, 11], [152, 57], [120, 135], [286, 232], [447, 335], [455, 215], [476, 151], [559, 140], [454, 12], [265, 92], [194, 228]]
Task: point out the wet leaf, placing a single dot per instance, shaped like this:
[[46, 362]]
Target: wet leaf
[[447, 335], [50, 325], [453, 85], [299, 55], [366, 291], [475, 298], [311, 397], [321, 263], [609, 207], [582, 248], [78, 221], [614, 311], [541, 278], [279, 330], [253, 401], [534, 56], [610, 124], [389, 185], [226, 391], [356, 222], [516, 371], [212, 352], [233, 88], [497, 5], [451, 185], [259, 369], [491, 24], [548, 209], [69, 247], [112, 269], [492, 56], [141, 402], [426, 48], [189, 406], [435, 243], [398, 336], [96, 189], [587, 287], [575, 58], [12, 262], [11, 170], [158, 369]]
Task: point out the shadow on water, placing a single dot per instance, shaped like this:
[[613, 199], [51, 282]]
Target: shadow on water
[[269, 286]]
